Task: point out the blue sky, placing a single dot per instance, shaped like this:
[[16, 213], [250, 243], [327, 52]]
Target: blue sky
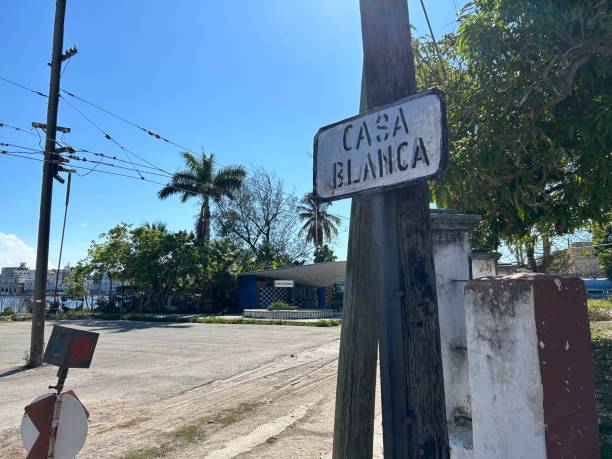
[[250, 81]]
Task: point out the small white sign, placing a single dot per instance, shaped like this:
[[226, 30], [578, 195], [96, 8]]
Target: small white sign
[[386, 147], [284, 283]]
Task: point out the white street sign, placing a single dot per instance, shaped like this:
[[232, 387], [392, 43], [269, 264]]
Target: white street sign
[[386, 147], [284, 283]]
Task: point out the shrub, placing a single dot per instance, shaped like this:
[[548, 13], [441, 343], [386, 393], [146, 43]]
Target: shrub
[[281, 306], [7, 311]]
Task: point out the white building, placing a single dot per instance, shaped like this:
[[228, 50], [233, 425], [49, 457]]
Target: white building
[[13, 279]]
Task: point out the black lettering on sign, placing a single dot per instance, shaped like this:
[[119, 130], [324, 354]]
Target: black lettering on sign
[[420, 154], [344, 144], [338, 175], [364, 134], [358, 179], [382, 127], [380, 163], [402, 167], [400, 118], [348, 171], [369, 168], [389, 159]]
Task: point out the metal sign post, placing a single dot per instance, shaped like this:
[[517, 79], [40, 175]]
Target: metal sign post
[[54, 426], [388, 153]]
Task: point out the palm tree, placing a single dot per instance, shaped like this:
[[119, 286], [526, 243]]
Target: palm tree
[[200, 180], [320, 226], [157, 225]]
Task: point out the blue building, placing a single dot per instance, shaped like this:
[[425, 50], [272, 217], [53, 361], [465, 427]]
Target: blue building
[[598, 288], [319, 285]]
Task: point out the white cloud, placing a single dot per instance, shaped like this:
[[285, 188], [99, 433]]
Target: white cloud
[[83, 225], [14, 251]]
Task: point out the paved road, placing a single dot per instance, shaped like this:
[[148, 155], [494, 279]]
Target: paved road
[[146, 362]]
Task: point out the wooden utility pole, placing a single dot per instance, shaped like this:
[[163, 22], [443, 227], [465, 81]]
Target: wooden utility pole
[[49, 170], [394, 260], [412, 385], [356, 384]]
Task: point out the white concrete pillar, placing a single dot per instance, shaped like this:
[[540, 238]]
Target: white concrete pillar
[[484, 263], [451, 246], [530, 368]]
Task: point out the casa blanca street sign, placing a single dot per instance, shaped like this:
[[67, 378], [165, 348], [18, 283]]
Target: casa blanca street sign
[[382, 148]]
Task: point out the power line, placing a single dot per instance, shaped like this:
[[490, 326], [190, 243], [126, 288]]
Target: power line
[[131, 123], [108, 136], [141, 128], [3, 144], [16, 129], [15, 154], [150, 132], [433, 38], [42, 94]]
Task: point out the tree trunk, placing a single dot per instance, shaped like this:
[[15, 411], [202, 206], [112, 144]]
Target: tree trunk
[[110, 291], [530, 251], [547, 256], [203, 223]]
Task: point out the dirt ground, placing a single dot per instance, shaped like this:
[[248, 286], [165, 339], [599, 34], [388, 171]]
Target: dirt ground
[[190, 391]]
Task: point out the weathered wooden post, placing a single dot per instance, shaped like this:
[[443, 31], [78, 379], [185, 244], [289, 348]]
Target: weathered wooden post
[[356, 385], [390, 151]]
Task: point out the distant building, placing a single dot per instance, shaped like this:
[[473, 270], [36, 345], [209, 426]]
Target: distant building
[[12, 279], [307, 286], [52, 277], [20, 280]]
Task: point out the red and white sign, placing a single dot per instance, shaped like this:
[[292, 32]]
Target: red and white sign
[[54, 431]]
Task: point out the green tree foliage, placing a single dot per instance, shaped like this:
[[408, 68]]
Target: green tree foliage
[[76, 281], [202, 181], [268, 256], [602, 244], [530, 117], [156, 263], [111, 256], [320, 225], [324, 254]]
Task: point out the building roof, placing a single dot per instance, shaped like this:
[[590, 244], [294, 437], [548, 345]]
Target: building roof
[[316, 275]]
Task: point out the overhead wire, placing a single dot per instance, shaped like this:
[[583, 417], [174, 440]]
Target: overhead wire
[[106, 135], [125, 120], [433, 38], [99, 171], [22, 86], [16, 129]]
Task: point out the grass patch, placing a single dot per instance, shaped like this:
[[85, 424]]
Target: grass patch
[[600, 310], [149, 453], [244, 321], [231, 416], [601, 334], [607, 304], [79, 315], [281, 306], [177, 318], [191, 432]]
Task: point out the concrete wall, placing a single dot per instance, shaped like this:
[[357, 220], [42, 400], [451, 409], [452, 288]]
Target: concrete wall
[[530, 368]]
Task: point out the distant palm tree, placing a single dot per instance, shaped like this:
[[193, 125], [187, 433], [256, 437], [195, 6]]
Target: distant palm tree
[[320, 226], [157, 225], [200, 180]]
